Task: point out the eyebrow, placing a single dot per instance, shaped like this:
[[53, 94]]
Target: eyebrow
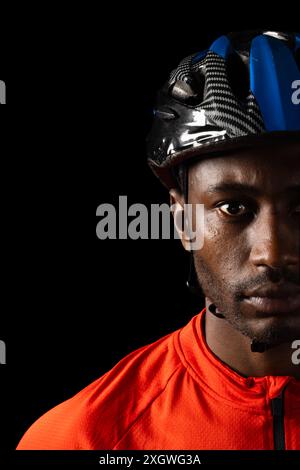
[[246, 188]]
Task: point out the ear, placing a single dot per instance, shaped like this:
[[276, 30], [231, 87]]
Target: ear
[[180, 222]]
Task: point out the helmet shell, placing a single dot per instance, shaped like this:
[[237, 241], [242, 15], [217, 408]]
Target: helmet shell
[[238, 93]]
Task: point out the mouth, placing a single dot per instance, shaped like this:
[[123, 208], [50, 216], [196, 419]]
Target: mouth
[[272, 305], [274, 301]]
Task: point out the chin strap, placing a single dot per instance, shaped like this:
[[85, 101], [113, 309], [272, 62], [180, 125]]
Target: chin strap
[[256, 346], [192, 281], [214, 310]]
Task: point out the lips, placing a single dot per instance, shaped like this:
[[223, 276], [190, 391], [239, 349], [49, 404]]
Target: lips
[[284, 299]]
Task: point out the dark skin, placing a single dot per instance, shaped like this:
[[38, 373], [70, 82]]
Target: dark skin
[[251, 239]]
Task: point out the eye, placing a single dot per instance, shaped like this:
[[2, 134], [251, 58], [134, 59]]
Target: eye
[[233, 209]]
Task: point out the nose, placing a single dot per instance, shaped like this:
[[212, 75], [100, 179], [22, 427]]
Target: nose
[[275, 241]]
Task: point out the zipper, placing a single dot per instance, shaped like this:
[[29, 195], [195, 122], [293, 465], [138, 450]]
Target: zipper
[[277, 405]]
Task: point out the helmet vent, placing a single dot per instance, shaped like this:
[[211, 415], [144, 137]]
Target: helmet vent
[[238, 77], [189, 91]]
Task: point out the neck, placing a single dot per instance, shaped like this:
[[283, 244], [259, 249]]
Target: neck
[[234, 349]]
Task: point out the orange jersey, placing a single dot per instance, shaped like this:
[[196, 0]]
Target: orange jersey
[[174, 394]]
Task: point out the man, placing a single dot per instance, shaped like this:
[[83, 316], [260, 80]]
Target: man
[[226, 135]]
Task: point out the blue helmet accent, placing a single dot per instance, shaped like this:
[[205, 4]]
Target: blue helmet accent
[[273, 70], [199, 56], [222, 46]]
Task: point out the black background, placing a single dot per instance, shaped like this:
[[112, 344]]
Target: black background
[[78, 114]]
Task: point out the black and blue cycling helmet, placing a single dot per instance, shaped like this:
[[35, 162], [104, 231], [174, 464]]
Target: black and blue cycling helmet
[[237, 93]]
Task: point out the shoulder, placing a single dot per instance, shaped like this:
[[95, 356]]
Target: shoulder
[[98, 416]]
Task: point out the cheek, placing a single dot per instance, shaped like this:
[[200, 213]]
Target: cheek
[[212, 230], [224, 250]]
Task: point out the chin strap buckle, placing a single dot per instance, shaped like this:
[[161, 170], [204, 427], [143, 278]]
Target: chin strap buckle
[[214, 310], [256, 346]]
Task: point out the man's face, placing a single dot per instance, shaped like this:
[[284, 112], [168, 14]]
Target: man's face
[[252, 239]]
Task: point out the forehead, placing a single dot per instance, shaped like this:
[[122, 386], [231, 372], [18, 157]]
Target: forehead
[[269, 168]]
